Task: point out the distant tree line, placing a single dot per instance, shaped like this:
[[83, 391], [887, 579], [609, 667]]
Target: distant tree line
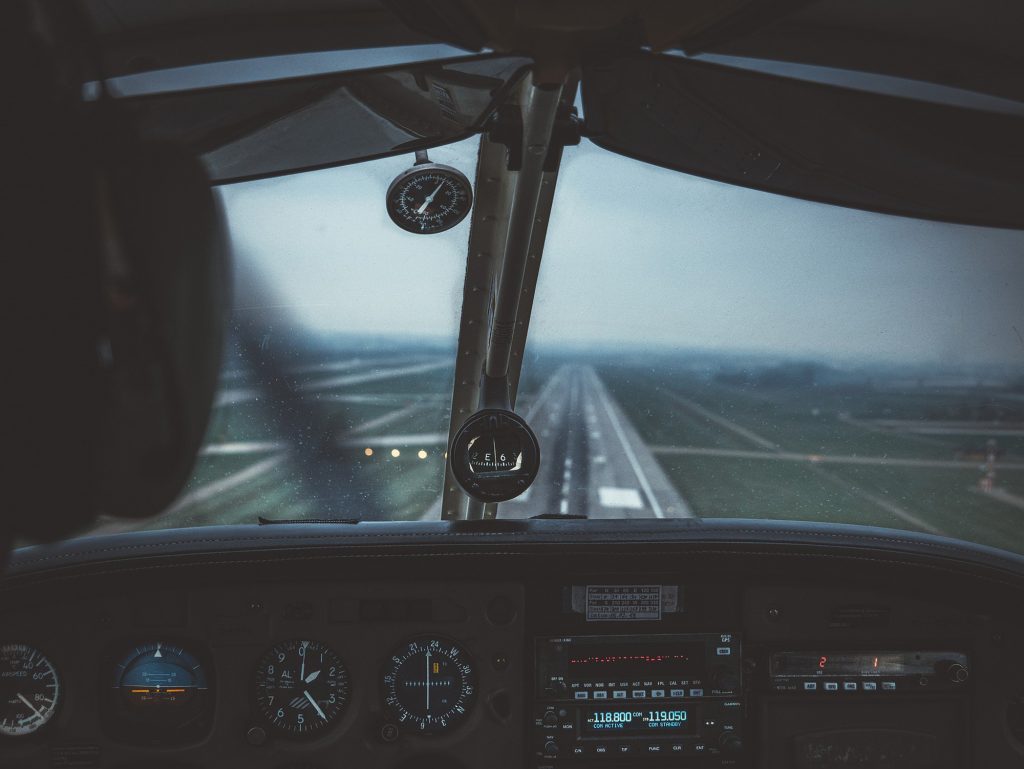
[[782, 376]]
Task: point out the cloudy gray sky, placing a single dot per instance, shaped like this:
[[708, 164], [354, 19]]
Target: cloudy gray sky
[[638, 255]]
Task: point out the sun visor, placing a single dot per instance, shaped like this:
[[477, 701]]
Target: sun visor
[[974, 46], [263, 129], [845, 143]]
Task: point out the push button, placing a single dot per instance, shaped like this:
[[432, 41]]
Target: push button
[[831, 686], [889, 686], [582, 695], [619, 694], [676, 693], [869, 686], [810, 686], [849, 686], [657, 693], [600, 695], [639, 694], [696, 692]]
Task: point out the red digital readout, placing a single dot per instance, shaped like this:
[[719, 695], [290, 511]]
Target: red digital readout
[[823, 661]]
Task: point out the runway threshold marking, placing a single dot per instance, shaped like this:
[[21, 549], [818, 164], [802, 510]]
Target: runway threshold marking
[[614, 496]]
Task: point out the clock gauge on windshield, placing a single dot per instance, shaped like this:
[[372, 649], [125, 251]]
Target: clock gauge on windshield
[[429, 198], [430, 685], [301, 687]]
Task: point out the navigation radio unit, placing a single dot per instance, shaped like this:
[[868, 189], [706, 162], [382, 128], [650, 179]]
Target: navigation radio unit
[[632, 695]]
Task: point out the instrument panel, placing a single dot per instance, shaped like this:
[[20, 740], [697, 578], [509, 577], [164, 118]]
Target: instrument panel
[[539, 671], [380, 673]]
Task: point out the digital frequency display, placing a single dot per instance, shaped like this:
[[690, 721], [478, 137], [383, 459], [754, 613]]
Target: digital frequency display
[[616, 721], [636, 662], [847, 664]]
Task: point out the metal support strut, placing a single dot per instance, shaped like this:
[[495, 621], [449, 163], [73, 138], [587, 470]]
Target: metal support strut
[[514, 191], [539, 108]]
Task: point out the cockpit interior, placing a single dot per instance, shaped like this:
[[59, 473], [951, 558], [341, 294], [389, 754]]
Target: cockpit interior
[[514, 384]]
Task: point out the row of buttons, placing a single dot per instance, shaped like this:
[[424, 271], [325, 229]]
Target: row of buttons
[[626, 748], [638, 694], [850, 686]]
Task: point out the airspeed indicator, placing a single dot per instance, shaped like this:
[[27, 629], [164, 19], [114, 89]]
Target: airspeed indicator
[[29, 690]]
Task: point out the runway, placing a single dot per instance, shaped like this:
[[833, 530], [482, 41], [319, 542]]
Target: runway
[[593, 462]]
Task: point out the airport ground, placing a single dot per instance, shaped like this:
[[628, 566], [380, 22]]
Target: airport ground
[[364, 438]]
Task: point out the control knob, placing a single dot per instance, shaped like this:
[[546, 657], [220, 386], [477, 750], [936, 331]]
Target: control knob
[[550, 718], [730, 742], [725, 678], [557, 689], [550, 748], [958, 673]]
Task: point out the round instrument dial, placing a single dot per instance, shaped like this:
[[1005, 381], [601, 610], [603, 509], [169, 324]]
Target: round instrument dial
[[160, 693], [301, 687], [29, 690], [429, 198], [494, 456], [430, 684], [157, 677]]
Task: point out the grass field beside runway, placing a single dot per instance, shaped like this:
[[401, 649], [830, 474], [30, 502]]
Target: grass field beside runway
[[752, 488], [871, 480], [810, 424]]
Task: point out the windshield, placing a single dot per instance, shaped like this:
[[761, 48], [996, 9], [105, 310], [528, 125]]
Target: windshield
[[696, 349], [703, 349]]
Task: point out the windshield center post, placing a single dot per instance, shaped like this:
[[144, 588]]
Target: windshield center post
[[496, 350]]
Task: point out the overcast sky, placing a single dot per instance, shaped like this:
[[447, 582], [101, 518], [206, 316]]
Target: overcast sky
[[638, 255]]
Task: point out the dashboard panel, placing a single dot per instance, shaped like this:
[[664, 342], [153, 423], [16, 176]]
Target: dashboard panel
[[518, 648], [269, 705]]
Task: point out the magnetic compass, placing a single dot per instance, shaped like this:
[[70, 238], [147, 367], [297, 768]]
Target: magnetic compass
[[494, 456], [429, 197]]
